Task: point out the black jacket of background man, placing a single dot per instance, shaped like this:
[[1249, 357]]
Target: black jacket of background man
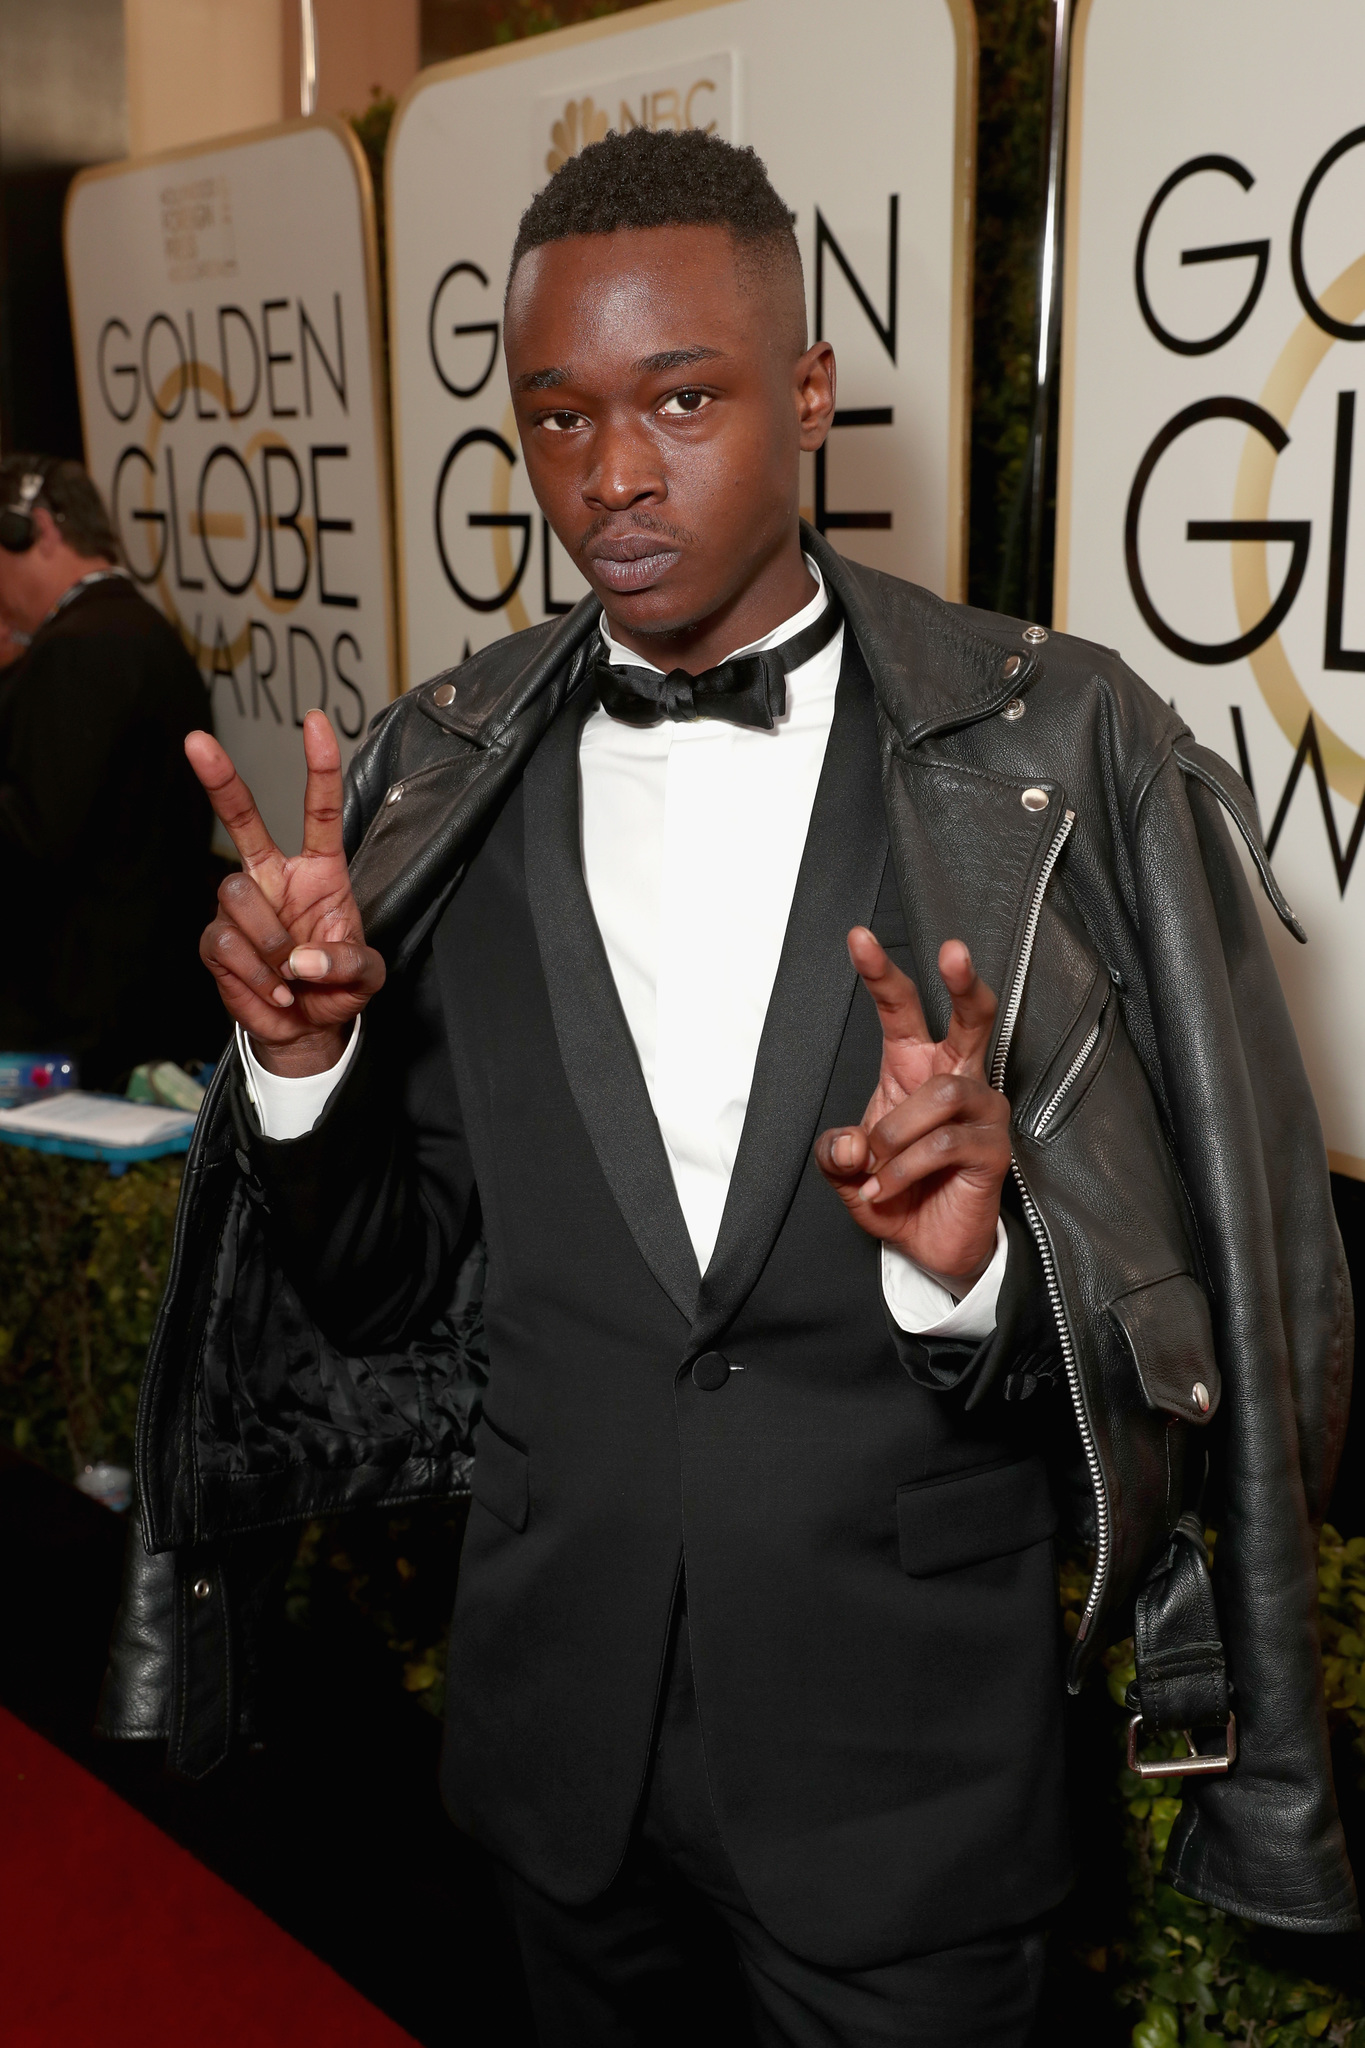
[[104, 841], [865, 1520]]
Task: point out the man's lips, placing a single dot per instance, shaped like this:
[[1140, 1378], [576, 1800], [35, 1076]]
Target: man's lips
[[632, 561]]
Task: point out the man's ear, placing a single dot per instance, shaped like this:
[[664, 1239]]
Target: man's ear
[[49, 533], [814, 380]]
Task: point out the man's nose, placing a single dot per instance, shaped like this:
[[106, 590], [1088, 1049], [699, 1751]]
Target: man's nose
[[625, 470]]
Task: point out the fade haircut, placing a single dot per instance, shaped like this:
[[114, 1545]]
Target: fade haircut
[[657, 178]]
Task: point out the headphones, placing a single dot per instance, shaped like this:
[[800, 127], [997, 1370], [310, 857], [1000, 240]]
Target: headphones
[[18, 528]]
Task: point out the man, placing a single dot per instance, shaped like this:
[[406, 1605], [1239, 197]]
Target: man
[[757, 1604], [104, 833]]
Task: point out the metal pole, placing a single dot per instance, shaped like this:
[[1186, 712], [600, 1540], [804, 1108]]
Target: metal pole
[[1049, 275], [308, 58]]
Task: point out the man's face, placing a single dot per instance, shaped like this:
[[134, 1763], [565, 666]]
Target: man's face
[[18, 591], [662, 401], [31, 582]]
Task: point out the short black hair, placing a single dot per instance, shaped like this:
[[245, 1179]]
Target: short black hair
[[658, 178], [70, 496]]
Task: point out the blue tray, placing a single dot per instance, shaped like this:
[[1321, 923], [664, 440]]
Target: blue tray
[[118, 1158]]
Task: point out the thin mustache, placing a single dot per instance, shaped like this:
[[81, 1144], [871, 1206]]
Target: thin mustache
[[636, 522]]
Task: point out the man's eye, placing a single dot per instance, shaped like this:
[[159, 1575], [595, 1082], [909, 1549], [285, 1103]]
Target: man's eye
[[563, 422], [685, 402]]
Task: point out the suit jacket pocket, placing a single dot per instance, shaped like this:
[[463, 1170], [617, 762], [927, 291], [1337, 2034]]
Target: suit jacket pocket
[[501, 1480], [968, 1518], [1167, 1328]]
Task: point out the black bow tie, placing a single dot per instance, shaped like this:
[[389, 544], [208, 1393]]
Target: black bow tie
[[748, 689]]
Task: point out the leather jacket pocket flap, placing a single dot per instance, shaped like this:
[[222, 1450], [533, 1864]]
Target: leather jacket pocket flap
[[947, 1524], [1169, 1332], [501, 1480]]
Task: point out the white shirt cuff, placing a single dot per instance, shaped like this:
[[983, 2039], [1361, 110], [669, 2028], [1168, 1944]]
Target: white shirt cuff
[[288, 1105], [924, 1308]]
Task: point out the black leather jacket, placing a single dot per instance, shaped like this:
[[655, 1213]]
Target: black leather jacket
[[1169, 1164]]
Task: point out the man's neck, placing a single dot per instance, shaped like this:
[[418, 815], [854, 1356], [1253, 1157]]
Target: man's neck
[[780, 589], [67, 576]]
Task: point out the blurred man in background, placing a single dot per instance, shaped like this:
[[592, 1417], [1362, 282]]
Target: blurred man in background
[[104, 832]]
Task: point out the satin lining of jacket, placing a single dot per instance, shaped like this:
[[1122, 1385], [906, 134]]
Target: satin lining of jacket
[[276, 1395]]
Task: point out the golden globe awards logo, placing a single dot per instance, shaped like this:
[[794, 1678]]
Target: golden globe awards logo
[[1331, 314], [696, 93], [196, 229], [230, 495]]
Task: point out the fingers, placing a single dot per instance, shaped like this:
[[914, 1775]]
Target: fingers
[[843, 1157], [322, 791], [243, 950], [973, 1012], [935, 1188], [896, 997], [251, 989], [261, 972], [339, 964], [953, 1120], [235, 808]]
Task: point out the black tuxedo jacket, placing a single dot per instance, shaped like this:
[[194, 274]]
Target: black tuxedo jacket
[[1170, 1171], [869, 1570]]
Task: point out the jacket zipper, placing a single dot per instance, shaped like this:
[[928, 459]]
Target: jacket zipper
[[1039, 1228], [1069, 1080], [1011, 1018]]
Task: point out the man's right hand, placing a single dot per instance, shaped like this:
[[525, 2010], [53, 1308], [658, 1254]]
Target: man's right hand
[[287, 948]]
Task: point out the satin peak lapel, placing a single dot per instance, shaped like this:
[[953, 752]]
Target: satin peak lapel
[[836, 888], [595, 1044]]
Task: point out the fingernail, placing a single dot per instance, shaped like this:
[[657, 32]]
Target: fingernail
[[308, 962], [843, 1151], [870, 1190], [282, 996]]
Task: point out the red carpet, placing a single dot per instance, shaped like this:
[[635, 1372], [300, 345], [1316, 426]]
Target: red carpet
[[111, 1934]]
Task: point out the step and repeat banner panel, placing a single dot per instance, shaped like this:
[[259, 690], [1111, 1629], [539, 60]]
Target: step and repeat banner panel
[[870, 145], [225, 311], [1211, 487]]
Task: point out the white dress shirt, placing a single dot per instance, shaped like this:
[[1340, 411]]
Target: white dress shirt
[[692, 836]]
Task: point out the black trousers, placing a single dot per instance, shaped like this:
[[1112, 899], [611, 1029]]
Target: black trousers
[[672, 1953]]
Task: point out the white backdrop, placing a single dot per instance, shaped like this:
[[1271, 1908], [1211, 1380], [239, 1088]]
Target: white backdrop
[[867, 134], [224, 302], [1232, 398]]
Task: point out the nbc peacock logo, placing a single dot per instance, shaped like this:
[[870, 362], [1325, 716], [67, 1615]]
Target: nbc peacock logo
[[582, 122], [690, 92]]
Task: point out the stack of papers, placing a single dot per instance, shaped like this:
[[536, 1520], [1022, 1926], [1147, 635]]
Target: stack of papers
[[87, 1119]]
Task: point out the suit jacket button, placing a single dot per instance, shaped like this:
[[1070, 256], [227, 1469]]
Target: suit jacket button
[[710, 1372]]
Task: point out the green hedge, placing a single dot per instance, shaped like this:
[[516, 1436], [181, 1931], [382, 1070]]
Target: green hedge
[[83, 1259]]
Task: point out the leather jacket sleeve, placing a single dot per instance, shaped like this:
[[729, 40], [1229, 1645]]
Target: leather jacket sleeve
[[1264, 1840], [371, 1212]]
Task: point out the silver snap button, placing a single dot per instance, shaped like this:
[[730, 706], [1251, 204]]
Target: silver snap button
[[394, 794], [1034, 799], [1014, 709], [443, 694], [1012, 665], [202, 1589], [1201, 1397], [1035, 635]]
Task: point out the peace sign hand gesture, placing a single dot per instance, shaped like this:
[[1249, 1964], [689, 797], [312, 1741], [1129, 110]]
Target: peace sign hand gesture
[[287, 948], [924, 1169]]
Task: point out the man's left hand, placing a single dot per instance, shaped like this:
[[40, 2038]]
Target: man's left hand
[[924, 1168]]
